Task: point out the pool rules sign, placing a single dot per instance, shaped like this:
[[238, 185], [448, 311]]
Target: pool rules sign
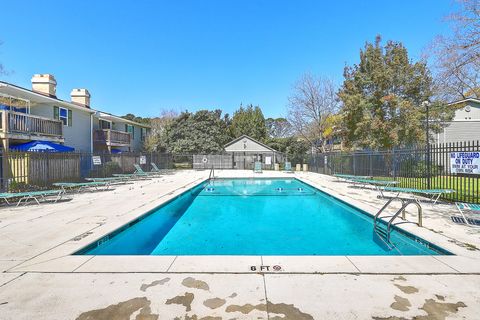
[[465, 162]]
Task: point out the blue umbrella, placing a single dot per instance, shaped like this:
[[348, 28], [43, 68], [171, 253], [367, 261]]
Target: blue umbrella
[[41, 146]]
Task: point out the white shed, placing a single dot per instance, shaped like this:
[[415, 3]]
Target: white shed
[[246, 150]]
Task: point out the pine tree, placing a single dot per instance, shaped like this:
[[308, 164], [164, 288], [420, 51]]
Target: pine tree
[[249, 121], [382, 99]]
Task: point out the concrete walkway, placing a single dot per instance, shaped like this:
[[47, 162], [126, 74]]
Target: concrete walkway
[[39, 278]]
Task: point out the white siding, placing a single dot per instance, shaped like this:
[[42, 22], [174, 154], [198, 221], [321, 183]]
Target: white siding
[[458, 131], [473, 114]]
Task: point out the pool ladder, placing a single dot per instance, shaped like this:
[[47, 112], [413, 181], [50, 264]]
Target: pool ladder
[[212, 174], [379, 228]]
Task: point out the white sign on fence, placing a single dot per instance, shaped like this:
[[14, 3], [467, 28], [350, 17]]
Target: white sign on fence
[[465, 162], [143, 159], [97, 160]]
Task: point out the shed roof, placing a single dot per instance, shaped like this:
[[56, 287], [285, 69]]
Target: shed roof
[[231, 145]]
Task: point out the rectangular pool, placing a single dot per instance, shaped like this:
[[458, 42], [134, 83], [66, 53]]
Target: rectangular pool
[[255, 217]]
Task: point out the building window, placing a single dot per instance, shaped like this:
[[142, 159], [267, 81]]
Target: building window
[[63, 114], [143, 133], [104, 124], [130, 129]]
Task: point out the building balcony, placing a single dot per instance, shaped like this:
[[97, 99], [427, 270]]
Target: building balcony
[[111, 137], [23, 126]]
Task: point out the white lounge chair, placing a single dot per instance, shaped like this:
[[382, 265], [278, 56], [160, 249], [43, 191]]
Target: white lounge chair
[[465, 210]]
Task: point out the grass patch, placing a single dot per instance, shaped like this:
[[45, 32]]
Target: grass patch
[[467, 189]]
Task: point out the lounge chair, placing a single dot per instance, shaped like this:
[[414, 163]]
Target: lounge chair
[[155, 168], [433, 194], [33, 195], [351, 177], [257, 167], [288, 167], [466, 209], [132, 176], [139, 170], [375, 183], [111, 180], [82, 185]]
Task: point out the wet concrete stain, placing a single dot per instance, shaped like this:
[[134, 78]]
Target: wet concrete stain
[[439, 310], [407, 289], [246, 308], [289, 311], [144, 287], [122, 311], [400, 304], [214, 303], [185, 300], [439, 297], [435, 310], [400, 278], [233, 295], [196, 284], [195, 317]]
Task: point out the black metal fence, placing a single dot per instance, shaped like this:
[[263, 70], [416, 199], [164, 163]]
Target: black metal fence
[[237, 160], [39, 170], [446, 166]]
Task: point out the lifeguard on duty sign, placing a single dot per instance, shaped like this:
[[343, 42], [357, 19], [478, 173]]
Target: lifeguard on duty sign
[[465, 162]]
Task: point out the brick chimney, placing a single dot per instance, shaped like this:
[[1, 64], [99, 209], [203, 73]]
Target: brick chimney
[[44, 84], [81, 97]]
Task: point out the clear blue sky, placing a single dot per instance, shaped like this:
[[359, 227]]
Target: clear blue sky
[[145, 56]]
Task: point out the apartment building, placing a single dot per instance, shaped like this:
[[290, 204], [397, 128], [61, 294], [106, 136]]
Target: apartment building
[[37, 114]]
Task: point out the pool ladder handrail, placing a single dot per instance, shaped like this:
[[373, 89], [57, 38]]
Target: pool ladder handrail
[[405, 204], [212, 174]]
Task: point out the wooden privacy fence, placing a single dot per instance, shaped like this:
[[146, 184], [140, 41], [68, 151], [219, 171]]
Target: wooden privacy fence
[[34, 170], [38, 169], [413, 167]]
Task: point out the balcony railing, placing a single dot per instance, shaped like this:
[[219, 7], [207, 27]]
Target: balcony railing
[[111, 137], [23, 123]]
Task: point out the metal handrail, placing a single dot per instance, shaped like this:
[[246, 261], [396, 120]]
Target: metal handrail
[[212, 174], [384, 207], [402, 209]]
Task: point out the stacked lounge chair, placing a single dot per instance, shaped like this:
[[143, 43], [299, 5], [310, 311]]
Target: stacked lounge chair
[[257, 167], [288, 167], [155, 168], [139, 170]]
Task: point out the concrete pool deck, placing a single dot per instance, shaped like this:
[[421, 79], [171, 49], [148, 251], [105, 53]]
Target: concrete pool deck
[[41, 279]]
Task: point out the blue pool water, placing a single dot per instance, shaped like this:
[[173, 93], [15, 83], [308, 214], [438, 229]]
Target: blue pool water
[[255, 217]]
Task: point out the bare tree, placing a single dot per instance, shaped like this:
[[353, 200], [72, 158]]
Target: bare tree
[[310, 108], [458, 56], [156, 140]]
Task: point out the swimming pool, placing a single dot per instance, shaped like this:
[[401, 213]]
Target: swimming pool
[[255, 217]]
